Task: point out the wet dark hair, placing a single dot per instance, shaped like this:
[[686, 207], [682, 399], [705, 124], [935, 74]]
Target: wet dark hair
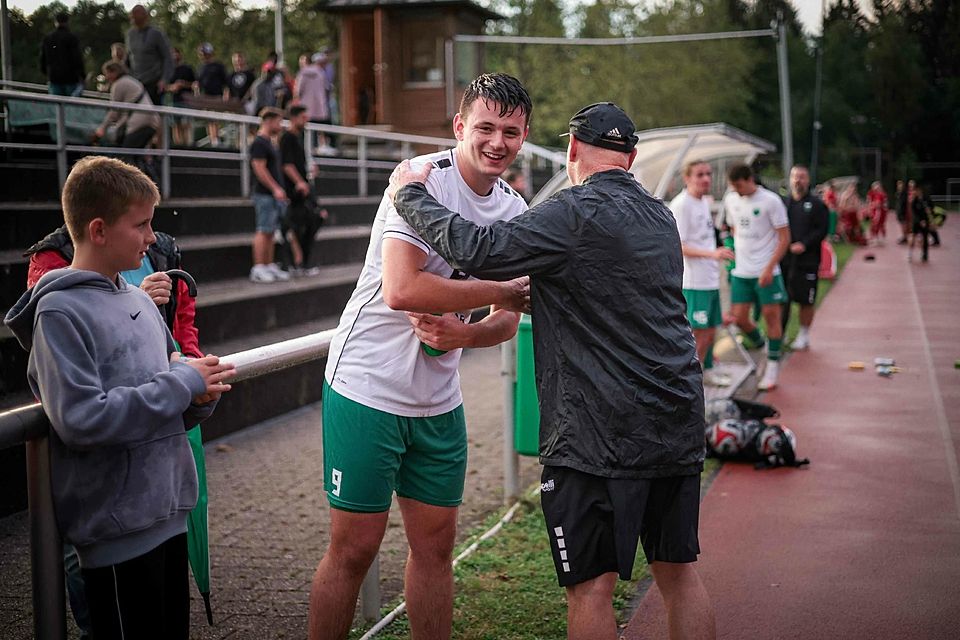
[[501, 88], [739, 171]]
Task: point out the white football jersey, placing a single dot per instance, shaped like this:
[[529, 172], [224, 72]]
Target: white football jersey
[[375, 358], [755, 219], [695, 225]]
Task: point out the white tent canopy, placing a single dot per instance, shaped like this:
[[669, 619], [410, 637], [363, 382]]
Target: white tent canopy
[[661, 154]]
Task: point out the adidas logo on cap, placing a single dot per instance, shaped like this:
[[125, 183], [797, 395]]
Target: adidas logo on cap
[[613, 133]]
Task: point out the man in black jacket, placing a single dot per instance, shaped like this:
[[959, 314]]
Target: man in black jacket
[[809, 219], [621, 393], [61, 60]]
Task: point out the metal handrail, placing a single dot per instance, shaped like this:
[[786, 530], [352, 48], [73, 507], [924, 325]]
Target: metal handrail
[[29, 425], [42, 88], [61, 148]]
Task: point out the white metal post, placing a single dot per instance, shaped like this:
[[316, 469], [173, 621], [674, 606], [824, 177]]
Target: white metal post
[[46, 548], [7, 66], [786, 124], [362, 177], [165, 159], [61, 144], [278, 31], [6, 63], [450, 79], [370, 592]]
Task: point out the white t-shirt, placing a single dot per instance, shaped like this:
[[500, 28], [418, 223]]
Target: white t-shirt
[[695, 225], [755, 219], [375, 357]]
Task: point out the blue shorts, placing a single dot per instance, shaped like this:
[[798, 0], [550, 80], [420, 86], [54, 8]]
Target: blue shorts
[[269, 210]]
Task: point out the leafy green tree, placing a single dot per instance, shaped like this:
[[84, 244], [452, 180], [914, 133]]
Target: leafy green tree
[[25, 38], [98, 25]]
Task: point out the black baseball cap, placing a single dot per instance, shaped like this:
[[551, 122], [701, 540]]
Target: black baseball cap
[[604, 125]]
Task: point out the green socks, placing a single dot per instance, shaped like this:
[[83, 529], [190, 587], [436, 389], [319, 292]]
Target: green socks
[[773, 348]]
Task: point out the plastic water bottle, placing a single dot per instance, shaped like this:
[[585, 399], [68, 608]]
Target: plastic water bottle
[[728, 243]]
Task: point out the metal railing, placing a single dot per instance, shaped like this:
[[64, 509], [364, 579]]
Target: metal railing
[[29, 425], [529, 153]]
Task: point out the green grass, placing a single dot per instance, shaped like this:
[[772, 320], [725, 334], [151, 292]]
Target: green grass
[[508, 587]]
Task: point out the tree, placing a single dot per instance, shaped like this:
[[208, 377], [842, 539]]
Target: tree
[[98, 26]]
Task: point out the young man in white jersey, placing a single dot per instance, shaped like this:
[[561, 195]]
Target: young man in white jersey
[[392, 409], [761, 235], [701, 256]]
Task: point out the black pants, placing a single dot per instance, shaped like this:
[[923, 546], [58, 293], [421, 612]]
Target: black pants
[[147, 598], [140, 139], [331, 139], [155, 96], [923, 230], [302, 218]]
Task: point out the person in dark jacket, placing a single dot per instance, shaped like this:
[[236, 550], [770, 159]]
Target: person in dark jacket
[[900, 206], [921, 208], [621, 392], [148, 51], [61, 60], [809, 219]]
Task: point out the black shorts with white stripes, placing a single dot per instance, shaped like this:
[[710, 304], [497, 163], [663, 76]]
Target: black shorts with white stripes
[[594, 523]]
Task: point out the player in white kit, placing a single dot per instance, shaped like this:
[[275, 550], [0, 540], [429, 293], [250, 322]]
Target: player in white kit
[[392, 409], [701, 256]]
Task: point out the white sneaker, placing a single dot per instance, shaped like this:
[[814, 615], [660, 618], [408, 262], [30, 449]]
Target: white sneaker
[[278, 273], [801, 342], [713, 378], [770, 374], [305, 272], [261, 274]]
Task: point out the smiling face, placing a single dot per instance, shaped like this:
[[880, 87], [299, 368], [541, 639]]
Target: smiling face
[[488, 142], [124, 243]]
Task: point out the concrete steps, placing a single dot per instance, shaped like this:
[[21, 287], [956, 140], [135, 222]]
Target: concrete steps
[[234, 308]]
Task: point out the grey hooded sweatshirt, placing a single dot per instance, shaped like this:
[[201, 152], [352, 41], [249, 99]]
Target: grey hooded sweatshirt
[[123, 475]]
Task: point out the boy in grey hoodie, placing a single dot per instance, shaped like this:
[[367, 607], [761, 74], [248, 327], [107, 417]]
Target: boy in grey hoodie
[[119, 398]]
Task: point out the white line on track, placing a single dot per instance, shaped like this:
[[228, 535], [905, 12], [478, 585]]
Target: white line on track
[[950, 449]]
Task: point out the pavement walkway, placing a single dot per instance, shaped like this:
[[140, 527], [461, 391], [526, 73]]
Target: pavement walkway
[[865, 542]]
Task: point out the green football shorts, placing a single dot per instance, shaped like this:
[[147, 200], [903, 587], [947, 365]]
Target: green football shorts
[[368, 454], [748, 290], [703, 308]]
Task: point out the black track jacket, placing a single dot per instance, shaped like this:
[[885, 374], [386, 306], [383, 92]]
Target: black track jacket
[[621, 393], [809, 220]]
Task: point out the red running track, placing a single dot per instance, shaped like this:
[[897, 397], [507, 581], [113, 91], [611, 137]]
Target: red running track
[[865, 542]]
